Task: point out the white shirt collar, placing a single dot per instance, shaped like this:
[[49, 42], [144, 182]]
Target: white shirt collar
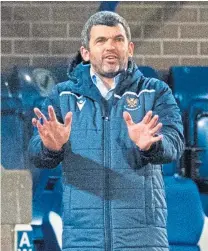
[[105, 92]]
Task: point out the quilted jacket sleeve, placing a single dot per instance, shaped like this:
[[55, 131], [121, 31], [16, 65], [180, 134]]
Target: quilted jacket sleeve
[[172, 144], [39, 155]]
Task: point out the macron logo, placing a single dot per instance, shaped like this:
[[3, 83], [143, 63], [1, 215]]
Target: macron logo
[[81, 104]]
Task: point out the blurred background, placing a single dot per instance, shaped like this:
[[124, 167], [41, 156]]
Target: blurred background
[[39, 39]]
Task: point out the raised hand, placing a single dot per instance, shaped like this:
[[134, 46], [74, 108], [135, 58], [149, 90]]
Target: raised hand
[[143, 134], [53, 134]]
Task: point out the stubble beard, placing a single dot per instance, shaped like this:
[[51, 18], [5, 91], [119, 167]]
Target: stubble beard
[[111, 73]]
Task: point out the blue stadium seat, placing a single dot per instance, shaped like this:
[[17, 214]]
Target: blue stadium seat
[[12, 140], [198, 133], [170, 169], [186, 223], [184, 248], [52, 231], [201, 163], [190, 90], [202, 142], [148, 71], [188, 83], [204, 201], [47, 199]]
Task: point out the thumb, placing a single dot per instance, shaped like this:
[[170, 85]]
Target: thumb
[[68, 119], [128, 119]]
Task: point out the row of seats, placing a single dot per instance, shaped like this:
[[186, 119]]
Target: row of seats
[[190, 88], [26, 88]]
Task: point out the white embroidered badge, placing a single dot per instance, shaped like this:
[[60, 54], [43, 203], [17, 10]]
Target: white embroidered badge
[[81, 103]]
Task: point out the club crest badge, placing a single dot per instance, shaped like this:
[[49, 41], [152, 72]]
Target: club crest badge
[[132, 103]]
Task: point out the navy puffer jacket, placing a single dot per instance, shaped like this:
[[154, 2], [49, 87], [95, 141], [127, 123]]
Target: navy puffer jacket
[[113, 197]]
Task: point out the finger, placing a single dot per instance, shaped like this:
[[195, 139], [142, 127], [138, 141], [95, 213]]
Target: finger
[[152, 123], [68, 120], [128, 119], [51, 113], [34, 122], [157, 138], [156, 128], [39, 114], [40, 127], [147, 117]]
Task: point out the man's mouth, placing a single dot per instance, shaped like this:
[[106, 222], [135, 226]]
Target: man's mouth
[[111, 58]]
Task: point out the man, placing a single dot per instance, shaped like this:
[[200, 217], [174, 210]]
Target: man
[[111, 128]]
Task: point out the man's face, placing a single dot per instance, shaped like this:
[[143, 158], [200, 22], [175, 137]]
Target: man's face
[[109, 50]]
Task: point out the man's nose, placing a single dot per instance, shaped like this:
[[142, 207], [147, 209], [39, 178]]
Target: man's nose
[[110, 44]]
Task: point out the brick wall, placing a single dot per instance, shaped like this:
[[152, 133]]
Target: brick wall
[[48, 33]]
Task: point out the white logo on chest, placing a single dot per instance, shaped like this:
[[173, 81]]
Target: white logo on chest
[[81, 104]]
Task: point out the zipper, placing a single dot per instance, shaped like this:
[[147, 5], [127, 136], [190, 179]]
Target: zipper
[[107, 221]]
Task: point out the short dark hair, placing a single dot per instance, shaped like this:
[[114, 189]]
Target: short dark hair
[[103, 18]]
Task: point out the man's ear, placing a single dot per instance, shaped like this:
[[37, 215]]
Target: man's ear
[[85, 53], [131, 49]]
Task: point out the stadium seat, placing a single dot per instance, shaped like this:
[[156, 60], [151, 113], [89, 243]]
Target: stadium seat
[[12, 141], [188, 83], [47, 209], [204, 200], [190, 90], [52, 231], [189, 86], [148, 71], [198, 133], [200, 163], [187, 224]]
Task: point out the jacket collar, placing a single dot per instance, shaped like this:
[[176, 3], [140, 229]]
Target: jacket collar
[[81, 82]]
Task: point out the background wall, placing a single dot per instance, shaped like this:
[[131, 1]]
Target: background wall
[[48, 33]]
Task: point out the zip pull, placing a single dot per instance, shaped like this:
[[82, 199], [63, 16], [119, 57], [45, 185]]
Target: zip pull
[[106, 118]]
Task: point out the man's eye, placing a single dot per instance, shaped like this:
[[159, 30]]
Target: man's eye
[[119, 39], [101, 40]]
